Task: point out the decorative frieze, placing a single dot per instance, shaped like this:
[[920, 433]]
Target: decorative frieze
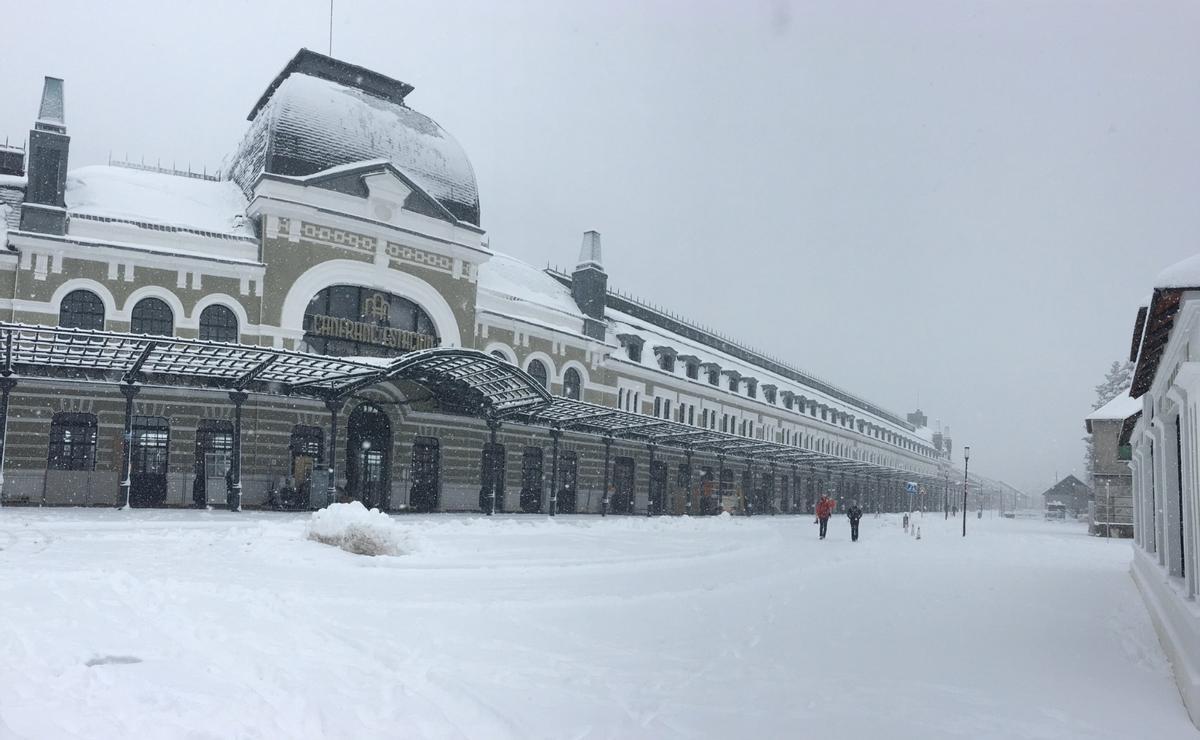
[[337, 237], [412, 255]]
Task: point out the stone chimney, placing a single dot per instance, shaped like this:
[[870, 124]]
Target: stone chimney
[[44, 209], [589, 285]]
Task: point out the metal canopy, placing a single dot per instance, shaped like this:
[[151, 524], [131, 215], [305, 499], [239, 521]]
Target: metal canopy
[[565, 413], [463, 378]]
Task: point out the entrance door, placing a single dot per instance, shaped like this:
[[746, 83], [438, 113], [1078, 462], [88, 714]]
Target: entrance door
[[747, 492], [708, 491], [785, 493], [622, 499], [214, 452], [491, 478], [658, 487], [729, 497], [426, 474], [568, 477], [151, 443], [307, 445], [368, 452], [531, 480], [764, 501]]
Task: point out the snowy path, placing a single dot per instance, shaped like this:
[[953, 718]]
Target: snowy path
[[178, 624]]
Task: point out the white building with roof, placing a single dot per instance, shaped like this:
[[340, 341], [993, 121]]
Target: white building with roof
[[1161, 431]]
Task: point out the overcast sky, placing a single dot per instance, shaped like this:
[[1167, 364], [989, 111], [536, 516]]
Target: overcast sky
[[961, 202]]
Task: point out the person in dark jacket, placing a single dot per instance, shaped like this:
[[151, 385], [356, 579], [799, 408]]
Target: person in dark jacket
[[854, 513]]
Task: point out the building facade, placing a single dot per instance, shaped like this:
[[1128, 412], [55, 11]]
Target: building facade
[[1112, 479], [347, 224], [1165, 452]]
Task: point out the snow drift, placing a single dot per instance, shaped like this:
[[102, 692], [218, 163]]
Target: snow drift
[[356, 529]]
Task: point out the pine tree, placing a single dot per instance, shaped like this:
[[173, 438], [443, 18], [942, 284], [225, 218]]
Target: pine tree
[[1116, 381]]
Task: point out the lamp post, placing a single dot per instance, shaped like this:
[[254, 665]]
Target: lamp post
[[966, 468]]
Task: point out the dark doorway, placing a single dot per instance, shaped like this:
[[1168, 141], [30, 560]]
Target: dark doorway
[[683, 489], [148, 471], [491, 478], [368, 454], [785, 493], [214, 447], [708, 491], [623, 478], [531, 480], [568, 498], [727, 489], [307, 447], [747, 493], [426, 474], [1179, 494], [658, 487], [765, 494]]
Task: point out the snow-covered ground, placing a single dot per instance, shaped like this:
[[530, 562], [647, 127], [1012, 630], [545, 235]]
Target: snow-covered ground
[[181, 624]]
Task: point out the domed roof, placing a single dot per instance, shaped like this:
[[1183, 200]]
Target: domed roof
[[320, 112]]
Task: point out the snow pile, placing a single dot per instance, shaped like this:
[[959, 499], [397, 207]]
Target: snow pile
[[356, 530]]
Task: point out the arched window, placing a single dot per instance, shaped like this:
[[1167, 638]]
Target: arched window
[[218, 324], [572, 384], [352, 320], [152, 316], [498, 354], [81, 309], [537, 369]]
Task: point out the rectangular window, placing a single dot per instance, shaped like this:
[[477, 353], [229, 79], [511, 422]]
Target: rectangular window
[[72, 442], [693, 370]]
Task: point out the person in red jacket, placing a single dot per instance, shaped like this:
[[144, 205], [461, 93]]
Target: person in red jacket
[[824, 511]]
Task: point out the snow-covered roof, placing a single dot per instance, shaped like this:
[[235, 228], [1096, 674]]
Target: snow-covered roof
[[510, 287], [158, 199], [1182, 274], [1119, 409], [623, 323], [307, 123]]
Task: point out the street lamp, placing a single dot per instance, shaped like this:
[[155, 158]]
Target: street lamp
[[966, 467]]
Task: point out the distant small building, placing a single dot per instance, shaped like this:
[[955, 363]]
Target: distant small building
[[1112, 479], [1071, 493]]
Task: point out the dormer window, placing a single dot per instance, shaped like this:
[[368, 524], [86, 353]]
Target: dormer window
[[666, 358], [691, 366], [633, 346], [769, 393], [751, 387], [714, 373]]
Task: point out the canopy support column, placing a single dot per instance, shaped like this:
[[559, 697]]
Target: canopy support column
[[650, 481], [493, 427], [605, 501], [7, 383], [555, 434], [129, 391], [334, 405], [234, 494], [771, 506], [748, 496], [687, 506], [719, 504]]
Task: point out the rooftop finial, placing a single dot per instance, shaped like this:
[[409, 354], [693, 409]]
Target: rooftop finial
[[589, 251]]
